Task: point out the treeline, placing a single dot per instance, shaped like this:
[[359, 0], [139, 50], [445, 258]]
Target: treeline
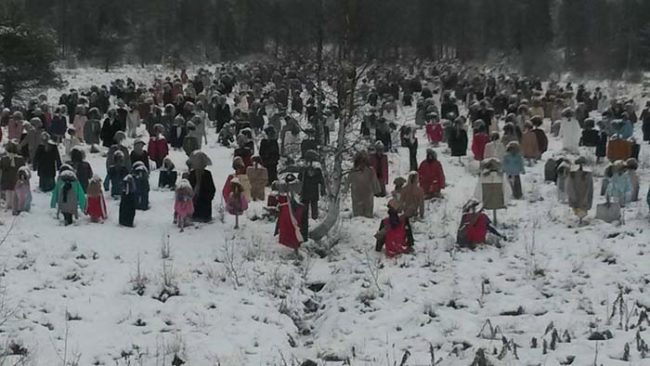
[[583, 35]]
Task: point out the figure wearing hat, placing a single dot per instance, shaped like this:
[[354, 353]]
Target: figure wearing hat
[[236, 202], [139, 154], [140, 175], [431, 175], [46, 162], [201, 181], [570, 131], [119, 145], [183, 204], [96, 207]]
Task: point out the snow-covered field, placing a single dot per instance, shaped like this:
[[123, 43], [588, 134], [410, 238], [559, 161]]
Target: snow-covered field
[[70, 292]]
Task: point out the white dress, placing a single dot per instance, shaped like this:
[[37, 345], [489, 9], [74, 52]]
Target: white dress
[[570, 132]]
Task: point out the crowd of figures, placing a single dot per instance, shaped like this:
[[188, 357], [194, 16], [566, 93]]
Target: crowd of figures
[[271, 117]]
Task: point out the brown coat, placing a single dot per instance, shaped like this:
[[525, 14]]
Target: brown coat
[[363, 186], [9, 165], [618, 149], [258, 177], [529, 146], [411, 200]]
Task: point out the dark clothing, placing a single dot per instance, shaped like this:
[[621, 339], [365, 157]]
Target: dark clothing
[[109, 128], [307, 145], [270, 155], [457, 141], [313, 184], [204, 190], [83, 171], [47, 162], [177, 136], [141, 180], [222, 116], [58, 126], [142, 156], [448, 107], [167, 179], [127, 209], [67, 218], [601, 147], [114, 179], [589, 138]]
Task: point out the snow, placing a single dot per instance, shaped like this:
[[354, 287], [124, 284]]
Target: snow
[[244, 299]]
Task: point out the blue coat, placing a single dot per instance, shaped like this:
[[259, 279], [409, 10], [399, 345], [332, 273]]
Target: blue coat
[[513, 164], [619, 187], [627, 130]]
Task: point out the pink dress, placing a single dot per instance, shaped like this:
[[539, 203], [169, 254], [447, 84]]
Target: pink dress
[[183, 207]]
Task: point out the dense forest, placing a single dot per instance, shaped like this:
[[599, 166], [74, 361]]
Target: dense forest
[[605, 36]]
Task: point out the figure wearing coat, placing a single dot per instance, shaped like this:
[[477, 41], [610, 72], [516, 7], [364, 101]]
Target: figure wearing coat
[[379, 163], [457, 141], [580, 191], [619, 188], [270, 155], [9, 166], [431, 177], [47, 162], [158, 150], [68, 195], [127, 201], [479, 141], [495, 149], [289, 222], [141, 179], [363, 187], [542, 140], [22, 195], [110, 156], [570, 133], [258, 178], [115, 178], [204, 191], [92, 132], [529, 146], [411, 198]]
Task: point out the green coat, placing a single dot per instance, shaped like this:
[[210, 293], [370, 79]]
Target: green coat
[[76, 188]]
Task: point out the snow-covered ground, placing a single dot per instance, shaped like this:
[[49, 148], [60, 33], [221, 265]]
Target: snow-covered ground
[[70, 294]]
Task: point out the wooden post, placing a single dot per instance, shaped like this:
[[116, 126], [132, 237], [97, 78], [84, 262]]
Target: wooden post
[[494, 216]]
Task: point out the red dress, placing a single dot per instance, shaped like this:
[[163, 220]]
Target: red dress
[[158, 150], [288, 226], [96, 207], [431, 177], [395, 239], [476, 227], [434, 132], [478, 145]]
